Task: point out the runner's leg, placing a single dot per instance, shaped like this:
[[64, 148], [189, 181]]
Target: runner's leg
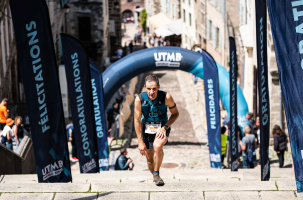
[[150, 159], [159, 154]]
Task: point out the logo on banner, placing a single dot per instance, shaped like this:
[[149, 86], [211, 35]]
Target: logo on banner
[[167, 59], [212, 108], [103, 162], [97, 111], [265, 169], [215, 157], [89, 166], [52, 170]]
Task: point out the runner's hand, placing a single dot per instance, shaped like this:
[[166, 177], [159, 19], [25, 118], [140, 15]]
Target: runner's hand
[[142, 148], [161, 133]]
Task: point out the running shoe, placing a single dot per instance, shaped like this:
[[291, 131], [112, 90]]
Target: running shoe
[[158, 180]]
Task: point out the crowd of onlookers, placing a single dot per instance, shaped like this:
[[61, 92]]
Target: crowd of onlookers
[[10, 130], [249, 140]]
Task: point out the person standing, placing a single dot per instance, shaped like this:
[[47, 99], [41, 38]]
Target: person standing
[[131, 47], [246, 143], [18, 131], [71, 138], [224, 138], [280, 143], [122, 162], [152, 125], [112, 112], [3, 113]]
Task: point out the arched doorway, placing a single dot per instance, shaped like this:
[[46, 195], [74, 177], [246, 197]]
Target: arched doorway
[[127, 16], [164, 58]]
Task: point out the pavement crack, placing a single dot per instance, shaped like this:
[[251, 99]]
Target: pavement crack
[[276, 185], [54, 196]]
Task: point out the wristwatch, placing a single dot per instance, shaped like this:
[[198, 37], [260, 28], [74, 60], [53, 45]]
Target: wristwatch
[[165, 127]]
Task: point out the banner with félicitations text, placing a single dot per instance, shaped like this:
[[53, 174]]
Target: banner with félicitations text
[[233, 75], [36, 59], [80, 96], [211, 85], [286, 20], [99, 111], [264, 108]]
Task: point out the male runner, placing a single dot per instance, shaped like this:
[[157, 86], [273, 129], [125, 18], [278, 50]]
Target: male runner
[[152, 124]]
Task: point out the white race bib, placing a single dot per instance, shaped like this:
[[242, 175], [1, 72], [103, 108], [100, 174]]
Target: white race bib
[[152, 128]]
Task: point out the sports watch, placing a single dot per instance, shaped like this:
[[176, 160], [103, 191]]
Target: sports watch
[[165, 127]]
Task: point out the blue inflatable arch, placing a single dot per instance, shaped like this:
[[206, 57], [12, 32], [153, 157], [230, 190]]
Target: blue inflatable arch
[[165, 58]]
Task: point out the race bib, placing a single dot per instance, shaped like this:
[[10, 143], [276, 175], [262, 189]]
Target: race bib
[[152, 128]]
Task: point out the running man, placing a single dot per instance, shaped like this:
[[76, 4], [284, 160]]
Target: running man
[[152, 124]]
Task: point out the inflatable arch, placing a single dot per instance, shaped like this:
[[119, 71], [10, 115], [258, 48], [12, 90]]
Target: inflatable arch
[[165, 58]]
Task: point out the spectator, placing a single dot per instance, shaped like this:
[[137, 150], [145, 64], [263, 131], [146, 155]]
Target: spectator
[[18, 131], [112, 112], [247, 141], [7, 134], [152, 41], [130, 47], [3, 113], [160, 42], [122, 92], [135, 38], [224, 138], [119, 52], [122, 162], [280, 143], [71, 138], [252, 124]]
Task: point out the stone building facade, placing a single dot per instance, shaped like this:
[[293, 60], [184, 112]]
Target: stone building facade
[[115, 20], [152, 7], [247, 38], [88, 21], [128, 7], [10, 78]]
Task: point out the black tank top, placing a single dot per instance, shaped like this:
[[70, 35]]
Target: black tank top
[[20, 131]]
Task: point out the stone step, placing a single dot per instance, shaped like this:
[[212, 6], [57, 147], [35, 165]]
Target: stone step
[[174, 174]]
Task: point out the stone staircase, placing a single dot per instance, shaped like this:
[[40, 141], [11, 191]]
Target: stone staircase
[[179, 184]]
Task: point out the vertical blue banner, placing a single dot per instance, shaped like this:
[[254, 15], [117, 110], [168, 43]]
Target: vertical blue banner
[[99, 110], [264, 114], [211, 85], [233, 74], [80, 96], [287, 29], [36, 59]]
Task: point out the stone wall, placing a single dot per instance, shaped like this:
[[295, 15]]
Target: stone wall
[[114, 7], [95, 30]]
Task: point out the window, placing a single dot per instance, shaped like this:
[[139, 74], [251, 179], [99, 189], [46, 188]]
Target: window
[[184, 17], [84, 28], [188, 2], [217, 38], [189, 19]]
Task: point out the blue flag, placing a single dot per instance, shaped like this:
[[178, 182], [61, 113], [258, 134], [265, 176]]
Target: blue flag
[[264, 113], [233, 130], [37, 62], [99, 110], [80, 96], [211, 85], [287, 29]]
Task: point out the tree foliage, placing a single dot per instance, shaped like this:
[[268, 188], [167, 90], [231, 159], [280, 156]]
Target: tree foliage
[[143, 20]]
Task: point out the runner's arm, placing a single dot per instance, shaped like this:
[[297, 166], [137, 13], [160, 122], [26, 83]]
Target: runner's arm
[[169, 101], [137, 118], [137, 121]]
